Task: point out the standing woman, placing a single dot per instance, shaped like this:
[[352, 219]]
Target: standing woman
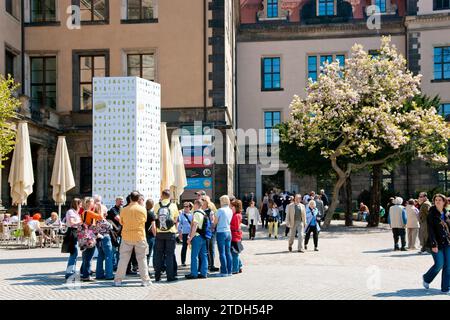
[[253, 219], [184, 229], [236, 237], [104, 246], [312, 225], [89, 217], [439, 236], [264, 209], [69, 245], [273, 216], [222, 222]]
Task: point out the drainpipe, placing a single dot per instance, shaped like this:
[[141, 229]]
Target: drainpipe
[[22, 51]]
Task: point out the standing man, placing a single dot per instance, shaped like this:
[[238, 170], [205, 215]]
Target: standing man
[[295, 220], [199, 246], [166, 214], [246, 201], [324, 198], [425, 206], [113, 217], [133, 219], [398, 219]]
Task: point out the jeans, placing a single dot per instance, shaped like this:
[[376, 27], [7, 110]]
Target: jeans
[[116, 257], [184, 248], [399, 233], [441, 262], [224, 244], [151, 244], [86, 264], [105, 253], [237, 263], [199, 249], [71, 264], [165, 244]]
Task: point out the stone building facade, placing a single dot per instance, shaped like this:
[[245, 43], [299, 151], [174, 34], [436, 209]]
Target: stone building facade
[[282, 43], [186, 46]]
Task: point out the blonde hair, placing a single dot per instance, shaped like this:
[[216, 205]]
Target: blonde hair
[[224, 201], [86, 203], [312, 202]]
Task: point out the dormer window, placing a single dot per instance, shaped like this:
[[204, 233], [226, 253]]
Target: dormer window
[[326, 8], [272, 8]]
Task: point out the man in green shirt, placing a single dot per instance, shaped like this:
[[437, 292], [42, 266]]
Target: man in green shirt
[[166, 214]]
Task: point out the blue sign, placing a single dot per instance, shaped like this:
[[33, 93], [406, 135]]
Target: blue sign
[[199, 183]]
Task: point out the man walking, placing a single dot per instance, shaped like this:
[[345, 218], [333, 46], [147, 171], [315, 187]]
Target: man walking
[[425, 206], [133, 219], [398, 219], [295, 220], [166, 214]]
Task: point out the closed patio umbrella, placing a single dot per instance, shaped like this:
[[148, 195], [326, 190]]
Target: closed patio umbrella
[[62, 175], [167, 174], [178, 168], [21, 178]]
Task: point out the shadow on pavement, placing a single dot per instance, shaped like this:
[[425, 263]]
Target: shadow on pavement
[[405, 293], [269, 253], [379, 251], [39, 279], [33, 260]]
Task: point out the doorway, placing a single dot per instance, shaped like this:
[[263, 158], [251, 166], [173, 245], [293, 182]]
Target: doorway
[[275, 181]]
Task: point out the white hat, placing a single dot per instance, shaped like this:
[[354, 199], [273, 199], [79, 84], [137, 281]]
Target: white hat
[[398, 200]]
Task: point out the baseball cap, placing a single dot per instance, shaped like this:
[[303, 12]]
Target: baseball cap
[[201, 192]]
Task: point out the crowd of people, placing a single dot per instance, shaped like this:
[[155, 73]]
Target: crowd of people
[[127, 236]]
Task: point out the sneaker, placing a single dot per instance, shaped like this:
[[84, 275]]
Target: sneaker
[[183, 264], [202, 276], [117, 283], [214, 269], [425, 285], [403, 249], [315, 249], [189, 276], [301, 251], [172, 280], [146, 283], [235, 272], [290, 249]]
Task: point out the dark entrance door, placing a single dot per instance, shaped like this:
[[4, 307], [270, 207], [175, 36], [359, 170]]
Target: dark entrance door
[[271, 182]]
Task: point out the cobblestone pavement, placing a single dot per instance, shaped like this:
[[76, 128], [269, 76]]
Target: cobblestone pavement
[[355, 263]]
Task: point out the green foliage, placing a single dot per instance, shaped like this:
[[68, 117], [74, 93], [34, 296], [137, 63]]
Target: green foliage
[[8, 105]]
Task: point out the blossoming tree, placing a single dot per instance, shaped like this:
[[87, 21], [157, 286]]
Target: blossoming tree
[[357, 113], [8, 105]]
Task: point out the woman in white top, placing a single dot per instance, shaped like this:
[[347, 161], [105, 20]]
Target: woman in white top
[[73, 220], [412, 225], [272, 216], [253, 219]]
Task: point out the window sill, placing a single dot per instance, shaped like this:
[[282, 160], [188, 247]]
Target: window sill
[[133, 21], [272, 89], [43, 24], [440, 80], [94, 23]]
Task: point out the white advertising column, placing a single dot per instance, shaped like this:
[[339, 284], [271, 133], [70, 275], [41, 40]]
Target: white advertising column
[[126, 137]]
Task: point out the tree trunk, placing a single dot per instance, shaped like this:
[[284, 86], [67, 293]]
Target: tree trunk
[[337, 187], [375, 196], [348, 202]]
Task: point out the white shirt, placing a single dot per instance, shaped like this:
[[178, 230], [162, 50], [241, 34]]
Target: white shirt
[[34, 225], [253, 214], [14, 219]]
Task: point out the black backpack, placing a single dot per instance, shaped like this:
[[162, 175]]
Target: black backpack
[[205, 232]]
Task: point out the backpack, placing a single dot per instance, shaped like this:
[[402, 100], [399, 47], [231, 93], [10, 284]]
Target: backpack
[[165, 218], [86, 236], [205, 232]]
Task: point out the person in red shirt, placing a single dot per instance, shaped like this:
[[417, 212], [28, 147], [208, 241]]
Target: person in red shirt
[[236, 236]]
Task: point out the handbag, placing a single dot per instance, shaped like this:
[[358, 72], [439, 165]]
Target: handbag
[[237, 247]]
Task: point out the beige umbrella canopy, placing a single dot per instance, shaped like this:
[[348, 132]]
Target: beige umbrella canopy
[[178, 168], [62, 176], [167, 174], [21, 177]]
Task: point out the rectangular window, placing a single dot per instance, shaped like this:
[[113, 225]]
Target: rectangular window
[[9, 6], [381, 4], [271, 74], [9, 63], [272, 8], [444, 110], [441, 4], [86, 175], [271, 119], [141, 65], [90, 66], [93, 10], [139, 9], [314, 66], [43, 10], [326, 7], [444, 179], [43, 82], [442, 63]]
